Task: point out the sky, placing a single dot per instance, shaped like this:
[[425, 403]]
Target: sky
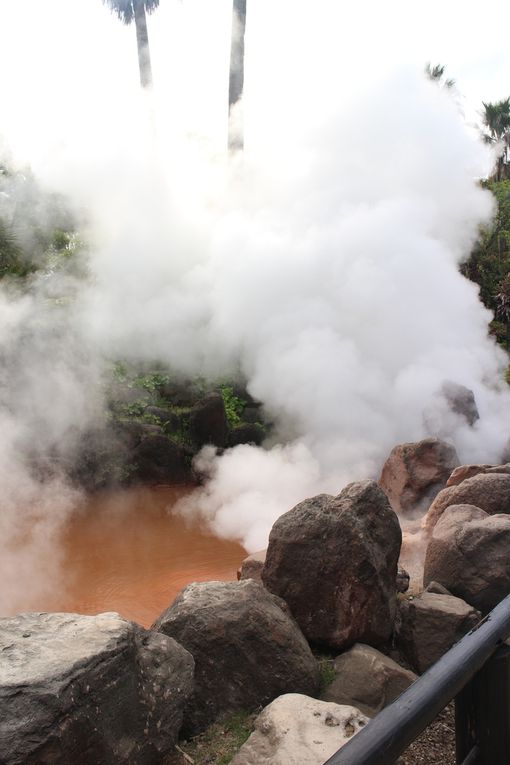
[[67, 64]]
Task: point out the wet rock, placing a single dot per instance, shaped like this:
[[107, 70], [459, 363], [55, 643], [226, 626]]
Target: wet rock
[[296, 729], [208, 422], [247, 434], [414, 473], [88, 689], [461, 400], [334, 561], [247, 649], [469, 553], [488, 491], [428, 626], [251, 567], [160, 460], [367, 679]]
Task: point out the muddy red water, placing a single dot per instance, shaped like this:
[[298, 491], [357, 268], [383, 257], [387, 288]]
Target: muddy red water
[[127, 552]]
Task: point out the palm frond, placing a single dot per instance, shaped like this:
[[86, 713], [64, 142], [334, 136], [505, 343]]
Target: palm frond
[[125, 9]]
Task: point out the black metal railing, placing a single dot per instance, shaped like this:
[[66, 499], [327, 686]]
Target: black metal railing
[[476, 673]]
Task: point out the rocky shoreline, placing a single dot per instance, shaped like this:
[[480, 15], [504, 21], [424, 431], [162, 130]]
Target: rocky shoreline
[[104, 690]]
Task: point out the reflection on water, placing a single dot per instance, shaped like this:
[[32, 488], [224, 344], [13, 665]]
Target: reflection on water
[[126, 552]]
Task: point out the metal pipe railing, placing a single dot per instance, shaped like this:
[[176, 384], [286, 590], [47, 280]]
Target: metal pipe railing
[[389, 734]]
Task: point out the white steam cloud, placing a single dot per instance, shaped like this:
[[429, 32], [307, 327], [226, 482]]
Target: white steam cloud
[[321, 266]]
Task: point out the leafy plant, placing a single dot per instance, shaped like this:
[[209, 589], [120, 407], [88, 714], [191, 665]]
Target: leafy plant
[[151, 382], [234, 405]]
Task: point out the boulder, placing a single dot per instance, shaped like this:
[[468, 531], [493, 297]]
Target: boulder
[[89, 689], [461, 400], [465, 471], [469, 553], [488, 491], [248, 433], [428, 626], [367, 679], [296, 729], [251, 567], [246, 646], [160, 460], [208, 422], [414, 473], [468, 471], [334, 561]]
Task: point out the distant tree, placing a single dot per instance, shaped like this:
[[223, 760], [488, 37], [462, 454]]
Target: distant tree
[[135, 10], [236, 79], [496, 121], [436, 73], [11, 257]]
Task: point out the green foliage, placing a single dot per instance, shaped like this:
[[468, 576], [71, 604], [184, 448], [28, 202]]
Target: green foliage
[[12, 262], [489, 263], [219, 743], [326, 671], [507, 375], [496, 118], [436, 74], [234, 406], [135, 409], [151, 382]]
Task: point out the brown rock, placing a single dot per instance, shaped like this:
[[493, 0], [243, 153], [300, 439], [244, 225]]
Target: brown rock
[[488, 491], [469, 553], [334, 561], [367, 679], [468, 471], [428, 626], [415, 472], [247, 649], [251, 567]]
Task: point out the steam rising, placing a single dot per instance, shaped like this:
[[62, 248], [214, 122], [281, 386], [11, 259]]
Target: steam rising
[[321, 265]]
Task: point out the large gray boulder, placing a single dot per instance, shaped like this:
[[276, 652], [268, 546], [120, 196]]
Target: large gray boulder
[[367, 679], [428, 626], [414, 473], [295, 729], [334, 561], [89, 689], [246, 646], [469, 554], [488, 491]]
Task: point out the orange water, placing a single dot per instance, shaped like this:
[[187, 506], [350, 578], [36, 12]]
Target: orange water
[[127, 552]]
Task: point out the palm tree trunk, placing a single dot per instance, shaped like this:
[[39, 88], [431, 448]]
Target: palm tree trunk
[[236, 80], [142, 40]]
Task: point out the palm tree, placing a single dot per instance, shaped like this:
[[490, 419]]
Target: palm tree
[[127, 11], [496, 119], [436, 74], [236, 79]]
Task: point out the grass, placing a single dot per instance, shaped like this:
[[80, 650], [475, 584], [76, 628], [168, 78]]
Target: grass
[[217, 745]]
